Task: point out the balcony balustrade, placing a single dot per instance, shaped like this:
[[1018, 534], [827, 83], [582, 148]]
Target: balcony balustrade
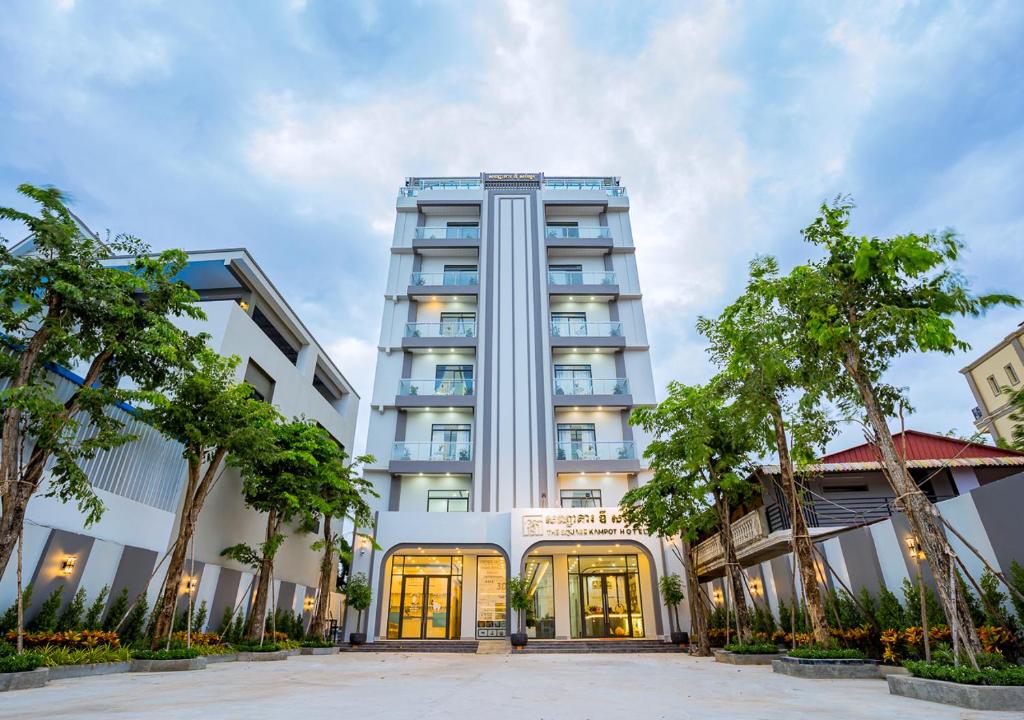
[[573, 277], [558, 232], [438, 388], [432, 451], [591, 386], [745, 531], [582, 450], [445, 279], [447, 233], [447, 329], [585, 328]]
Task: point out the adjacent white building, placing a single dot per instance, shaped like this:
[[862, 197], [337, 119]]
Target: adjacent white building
[[512, 349], [141, 482]]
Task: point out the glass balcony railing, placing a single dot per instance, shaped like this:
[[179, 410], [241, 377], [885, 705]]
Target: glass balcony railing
[[462, 328], [432, 451], [414, 188], [572, 277], [556, 232], [583, 450], [432, 387], [591, 386], [452, 277], [447, 233], [584, 184], [585, 328]]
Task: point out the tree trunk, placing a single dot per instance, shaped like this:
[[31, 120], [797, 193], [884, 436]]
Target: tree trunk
[[698, 612], [318, 625], [732, 568], [801, 538], [259, 606], [921, 513]]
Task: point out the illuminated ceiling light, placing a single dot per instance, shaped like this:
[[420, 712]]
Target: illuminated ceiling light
[[434, 298], [450, 407], [571, 297], [593, 298], [606, 472]]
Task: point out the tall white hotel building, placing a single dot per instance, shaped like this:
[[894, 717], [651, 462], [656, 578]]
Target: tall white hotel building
[[512, 349]]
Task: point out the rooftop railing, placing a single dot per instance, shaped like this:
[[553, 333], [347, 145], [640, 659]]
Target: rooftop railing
[[573, 277], [447, 233], [413, 188], [584, 184], [584, 450], [555, 232], [839, 512], [585, 328], [591, 386], [450, 277], [432, 451], [447, 328], [433, 387]]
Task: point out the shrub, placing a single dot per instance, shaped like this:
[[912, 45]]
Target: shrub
[[214, 649], [752, 648], [266, 647], [198, 638], [54, 655], [822, 653], [9, 620], [1016, 578], [965, 674], [46, 619], [171, 654], [94, 615], [20, 663], [890, 613], [69, 639], [316, 643], [992, 599], [71, 618], [135, 626], [117, 610]]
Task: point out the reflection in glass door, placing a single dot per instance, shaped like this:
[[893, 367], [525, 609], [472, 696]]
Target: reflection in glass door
[[435, 626], [604, 597], [425, 597], [412, 607]]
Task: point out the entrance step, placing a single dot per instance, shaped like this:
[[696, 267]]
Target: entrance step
[[412, 646], [494, 647], [599, 646]]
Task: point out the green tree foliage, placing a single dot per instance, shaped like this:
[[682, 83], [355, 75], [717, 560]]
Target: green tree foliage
[[134, 627], [1016, 579], [861, 306], [71, 617], [117, 611], [199, 617], [217, 421], [46, 619], [671, 587], [358, 596], [890, 614], [9, 620], [93, 619], [993, 599], [912, 606], [62, 305]]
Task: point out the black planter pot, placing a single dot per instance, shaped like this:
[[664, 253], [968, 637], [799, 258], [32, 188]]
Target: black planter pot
[[357, 638], [519, 640], [680, 638]]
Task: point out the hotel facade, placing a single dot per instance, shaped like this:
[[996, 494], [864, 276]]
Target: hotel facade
[[512, 350]]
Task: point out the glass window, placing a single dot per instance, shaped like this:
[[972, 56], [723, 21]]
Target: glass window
[[1011, 375], [453, 380], [447, 500], [604, 596], [580, 498], [569, 324], [540, 617], [576, 441], [994, 385], [457, 324], [574, 380], [425, 598], [449, 442]]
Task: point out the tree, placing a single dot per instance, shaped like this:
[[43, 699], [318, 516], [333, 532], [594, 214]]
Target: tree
[[358, 596], [674, 508], [71, 617], [285, 482], [864, 304], [672, 594], [218, 422], [703, 439], [752, 341], [62, 306], [94, 615], [343, 493], [520, 599], [1016, 402]]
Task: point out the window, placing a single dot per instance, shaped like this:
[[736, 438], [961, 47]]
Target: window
[[574, 380], [275, 335], [580, 498], [457, 324], [569, 324], [571, 267], [994, 385], [260, 381], [449, 442], [453, 380], [1011, 374], [576, 441], [563, 229], [447, 500]]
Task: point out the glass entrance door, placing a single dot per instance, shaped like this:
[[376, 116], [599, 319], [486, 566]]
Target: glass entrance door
[[435, 624], [411, 622], [607, 608], [425, 597], [604, 597], [424, 608]]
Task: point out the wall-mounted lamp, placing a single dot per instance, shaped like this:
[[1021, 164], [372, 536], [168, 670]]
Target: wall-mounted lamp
[[243, 304], [718, 597], [755, 587], [307, 604], [915, 547], [364, 545], [188, 585], [67, 567]]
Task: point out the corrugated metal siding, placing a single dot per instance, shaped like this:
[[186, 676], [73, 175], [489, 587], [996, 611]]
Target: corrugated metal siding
[[921, 446], [149, 470]]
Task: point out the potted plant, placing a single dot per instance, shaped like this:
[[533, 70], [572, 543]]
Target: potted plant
[[672, 593], [519, 600], [357, 594]]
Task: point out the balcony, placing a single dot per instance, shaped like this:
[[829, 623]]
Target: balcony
[[584, 333], [432, 393], [447, 334], [842, 513], [446, 238], [746, 532], [577, 456], [431, 457], [584, 184], [591, 392], [415, 187], [450, 283], [578, 238], [568, 282]]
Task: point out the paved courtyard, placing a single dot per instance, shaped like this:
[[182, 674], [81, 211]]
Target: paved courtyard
[[491, 687]]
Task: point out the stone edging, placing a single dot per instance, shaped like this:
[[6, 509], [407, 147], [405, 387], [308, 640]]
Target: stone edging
[[975, 697], [196, 663], [823, 669], [221, 658], [318, 651], [63, 672], [24, 680], [731, 658], [263, 656]]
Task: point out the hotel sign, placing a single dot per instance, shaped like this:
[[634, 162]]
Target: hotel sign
[[579, 523], [512, 177]]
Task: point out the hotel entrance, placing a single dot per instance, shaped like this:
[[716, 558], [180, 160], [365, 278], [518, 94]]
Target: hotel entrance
[[604, 596], [426, 597]]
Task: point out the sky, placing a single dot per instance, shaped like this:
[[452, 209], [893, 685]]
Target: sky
[[287, 127]]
